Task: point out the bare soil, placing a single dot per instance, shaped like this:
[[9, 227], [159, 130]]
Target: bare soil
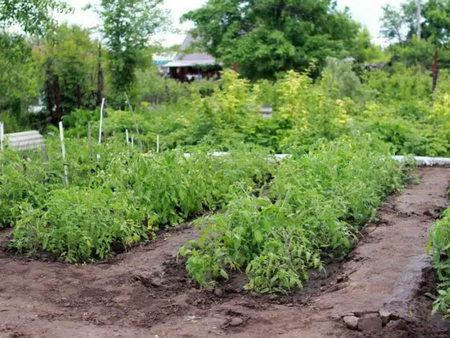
[[146, 292]]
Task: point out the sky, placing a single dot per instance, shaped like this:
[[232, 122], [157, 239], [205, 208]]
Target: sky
[[367, 12]]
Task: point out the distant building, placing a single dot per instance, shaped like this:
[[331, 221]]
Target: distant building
[[350, 60], [373, 66], [163, 59], [190, 67]]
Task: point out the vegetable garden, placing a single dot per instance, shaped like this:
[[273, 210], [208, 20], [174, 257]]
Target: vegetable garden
[[275, 221], [195, 215]]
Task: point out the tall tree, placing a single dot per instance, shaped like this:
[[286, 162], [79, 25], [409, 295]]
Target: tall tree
[[34, 16], [269, 36], [18, 75], [127, 27], [400, 24], [393, 24], [70, 59]]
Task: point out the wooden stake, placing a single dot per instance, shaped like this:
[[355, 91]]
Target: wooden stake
[[63, 150], [100, 84], [104, 137], [157, 143], [78, 136], [132, 141], [435, 71], [236, 66], [127, 137], [90, 140], [101, 122], [24, 163], [114, 133]]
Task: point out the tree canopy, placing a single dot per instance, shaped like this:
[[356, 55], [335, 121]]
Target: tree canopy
[[127, 26], [17, 75], [270, 36], [400, 24], [33, 16], [71, 56]]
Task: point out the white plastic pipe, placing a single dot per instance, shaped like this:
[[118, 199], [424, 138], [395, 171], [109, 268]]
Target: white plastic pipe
[[423, 160], [63, 150], [101, 122], [420, 160]]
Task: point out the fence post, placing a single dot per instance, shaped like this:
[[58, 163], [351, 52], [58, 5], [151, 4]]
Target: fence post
[[63, 150], [157, 143]]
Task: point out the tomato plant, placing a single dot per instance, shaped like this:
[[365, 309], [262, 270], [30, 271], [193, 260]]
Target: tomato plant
[[310, 215]]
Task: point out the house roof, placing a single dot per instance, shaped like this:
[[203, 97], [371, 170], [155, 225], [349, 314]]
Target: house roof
[[161, 60], [193, 59], [190, 63]]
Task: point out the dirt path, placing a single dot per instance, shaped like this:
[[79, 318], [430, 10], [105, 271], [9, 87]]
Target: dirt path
[[143, 293]]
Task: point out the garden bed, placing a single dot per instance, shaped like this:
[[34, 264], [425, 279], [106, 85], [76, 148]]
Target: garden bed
[[145, 292]]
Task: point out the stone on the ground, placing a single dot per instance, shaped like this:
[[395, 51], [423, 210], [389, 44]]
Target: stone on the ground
[[218, 292], [371, 315], [385, 316], [351, 322], [236, 321], [209, 288], [370, 324], [396, 325]]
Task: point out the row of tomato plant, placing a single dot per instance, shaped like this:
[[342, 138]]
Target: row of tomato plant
[[310, 214], [118, 196]]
